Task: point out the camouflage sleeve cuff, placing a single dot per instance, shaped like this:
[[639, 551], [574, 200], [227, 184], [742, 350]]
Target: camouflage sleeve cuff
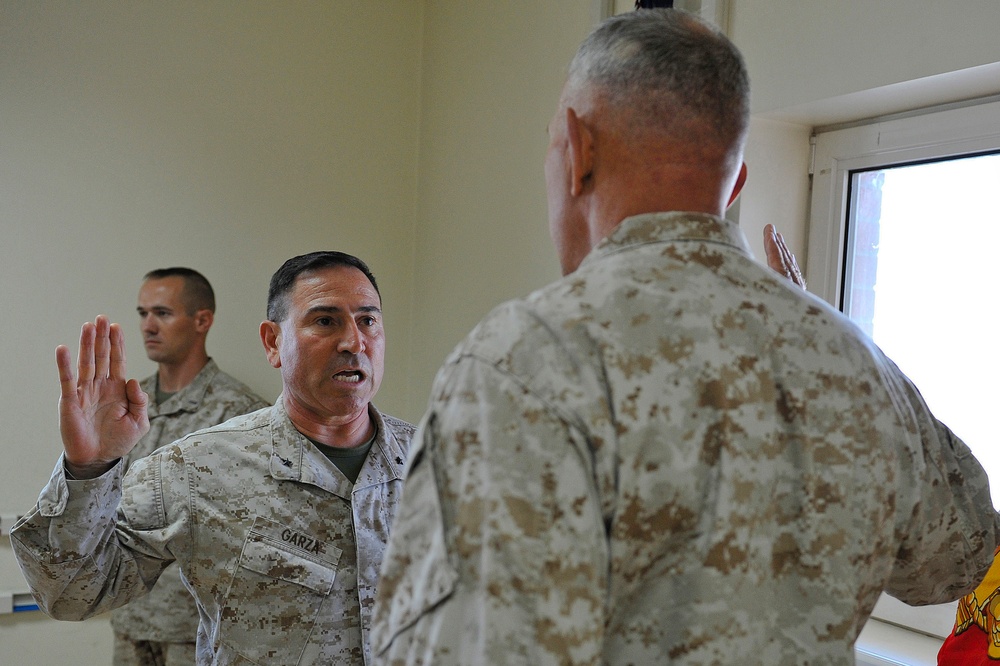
[[63, 493]]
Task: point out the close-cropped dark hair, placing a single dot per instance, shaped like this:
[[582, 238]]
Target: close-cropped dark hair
[[283, 280], [197, 294]]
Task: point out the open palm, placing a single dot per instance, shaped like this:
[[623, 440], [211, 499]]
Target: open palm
[[101, 414]]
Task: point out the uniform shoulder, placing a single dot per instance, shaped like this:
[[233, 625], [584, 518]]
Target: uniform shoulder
[[242, 426], [227, 387], [529, 330], [398, 426]]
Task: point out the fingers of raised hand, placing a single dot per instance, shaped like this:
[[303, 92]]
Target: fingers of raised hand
[[85, 356], [64, 363], [772, 248], [791, 266], [101, 355], [117, 352], [797, 276], [780, 258], [137, 400], [102, 347]]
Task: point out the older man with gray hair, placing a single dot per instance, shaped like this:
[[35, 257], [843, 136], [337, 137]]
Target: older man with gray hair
[[672, 454]]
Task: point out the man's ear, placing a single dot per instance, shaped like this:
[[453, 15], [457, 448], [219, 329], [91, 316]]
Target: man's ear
[[203, 320], [580, 141], [270, 334], [740, 182]]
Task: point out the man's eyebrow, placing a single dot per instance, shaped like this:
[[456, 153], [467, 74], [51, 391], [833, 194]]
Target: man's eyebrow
[[335, 309], [317, 309], [140, 308]]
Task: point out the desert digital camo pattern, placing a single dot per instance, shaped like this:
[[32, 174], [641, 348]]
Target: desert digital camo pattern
[[168, 613], [672, 455], [280, 550]]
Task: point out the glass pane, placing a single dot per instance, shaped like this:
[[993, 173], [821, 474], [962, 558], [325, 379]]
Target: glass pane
[[921, 279]]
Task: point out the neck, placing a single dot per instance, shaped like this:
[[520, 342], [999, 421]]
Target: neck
[[175, 376], [649, 172], [681, 189], [341, 433]]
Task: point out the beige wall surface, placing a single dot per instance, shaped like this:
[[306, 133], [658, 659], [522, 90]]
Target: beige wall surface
[[800, 52], [491, 78], [231, 135], [222, 135]]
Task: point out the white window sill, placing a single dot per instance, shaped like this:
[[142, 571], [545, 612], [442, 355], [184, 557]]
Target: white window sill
[[882, 644]]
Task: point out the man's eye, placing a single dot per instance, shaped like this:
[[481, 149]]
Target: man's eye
[[324, 321], [368, 321]]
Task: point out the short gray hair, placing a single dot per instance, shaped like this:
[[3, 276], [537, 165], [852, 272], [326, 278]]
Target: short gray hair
[[666, 65]]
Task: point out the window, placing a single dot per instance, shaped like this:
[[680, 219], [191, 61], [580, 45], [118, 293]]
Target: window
[[922, 243], [904, 238]]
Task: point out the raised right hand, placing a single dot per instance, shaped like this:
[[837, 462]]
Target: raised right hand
[[779, 257], [101, 415]]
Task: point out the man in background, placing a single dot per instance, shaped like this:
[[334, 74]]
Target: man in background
[[187, 392], [672, 454]]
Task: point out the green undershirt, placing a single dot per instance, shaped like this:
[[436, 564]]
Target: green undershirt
[[162, 396], [348, 461]]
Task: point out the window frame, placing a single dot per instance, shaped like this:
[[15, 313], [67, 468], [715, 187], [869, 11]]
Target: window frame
[[943, 132]]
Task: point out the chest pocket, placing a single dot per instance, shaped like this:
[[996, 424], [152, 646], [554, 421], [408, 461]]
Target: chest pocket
[[282, 579]]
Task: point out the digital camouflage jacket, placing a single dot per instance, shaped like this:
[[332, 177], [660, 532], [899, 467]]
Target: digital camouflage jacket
[[280, 550], [672, 455]]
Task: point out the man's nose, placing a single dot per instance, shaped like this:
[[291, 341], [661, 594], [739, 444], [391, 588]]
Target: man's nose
[[351, 341]]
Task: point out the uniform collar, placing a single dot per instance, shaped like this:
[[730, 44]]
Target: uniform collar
[[295, 458], [669, 228], [188, 399]]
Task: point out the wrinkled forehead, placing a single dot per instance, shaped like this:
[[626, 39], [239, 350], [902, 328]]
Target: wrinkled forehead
[[342, 283]]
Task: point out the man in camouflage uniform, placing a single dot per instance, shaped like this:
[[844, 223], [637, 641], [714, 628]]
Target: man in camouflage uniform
[[278, 518], [672, 454], [188, 392]]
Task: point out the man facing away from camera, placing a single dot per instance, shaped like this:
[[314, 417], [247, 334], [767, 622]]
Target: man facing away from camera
[[672, 454]]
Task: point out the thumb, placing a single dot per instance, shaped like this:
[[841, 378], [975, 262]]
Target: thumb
[[137, 400]]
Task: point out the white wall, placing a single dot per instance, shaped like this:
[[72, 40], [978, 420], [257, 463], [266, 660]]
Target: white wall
[[222, 135], [801, 52], [231, 135], [492, 75], [777, 187]]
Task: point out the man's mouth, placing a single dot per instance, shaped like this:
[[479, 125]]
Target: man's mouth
[[349, 376]]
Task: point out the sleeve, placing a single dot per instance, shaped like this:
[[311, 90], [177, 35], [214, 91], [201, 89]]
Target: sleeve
[[77, 549], [498, 553], [947, 544]]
